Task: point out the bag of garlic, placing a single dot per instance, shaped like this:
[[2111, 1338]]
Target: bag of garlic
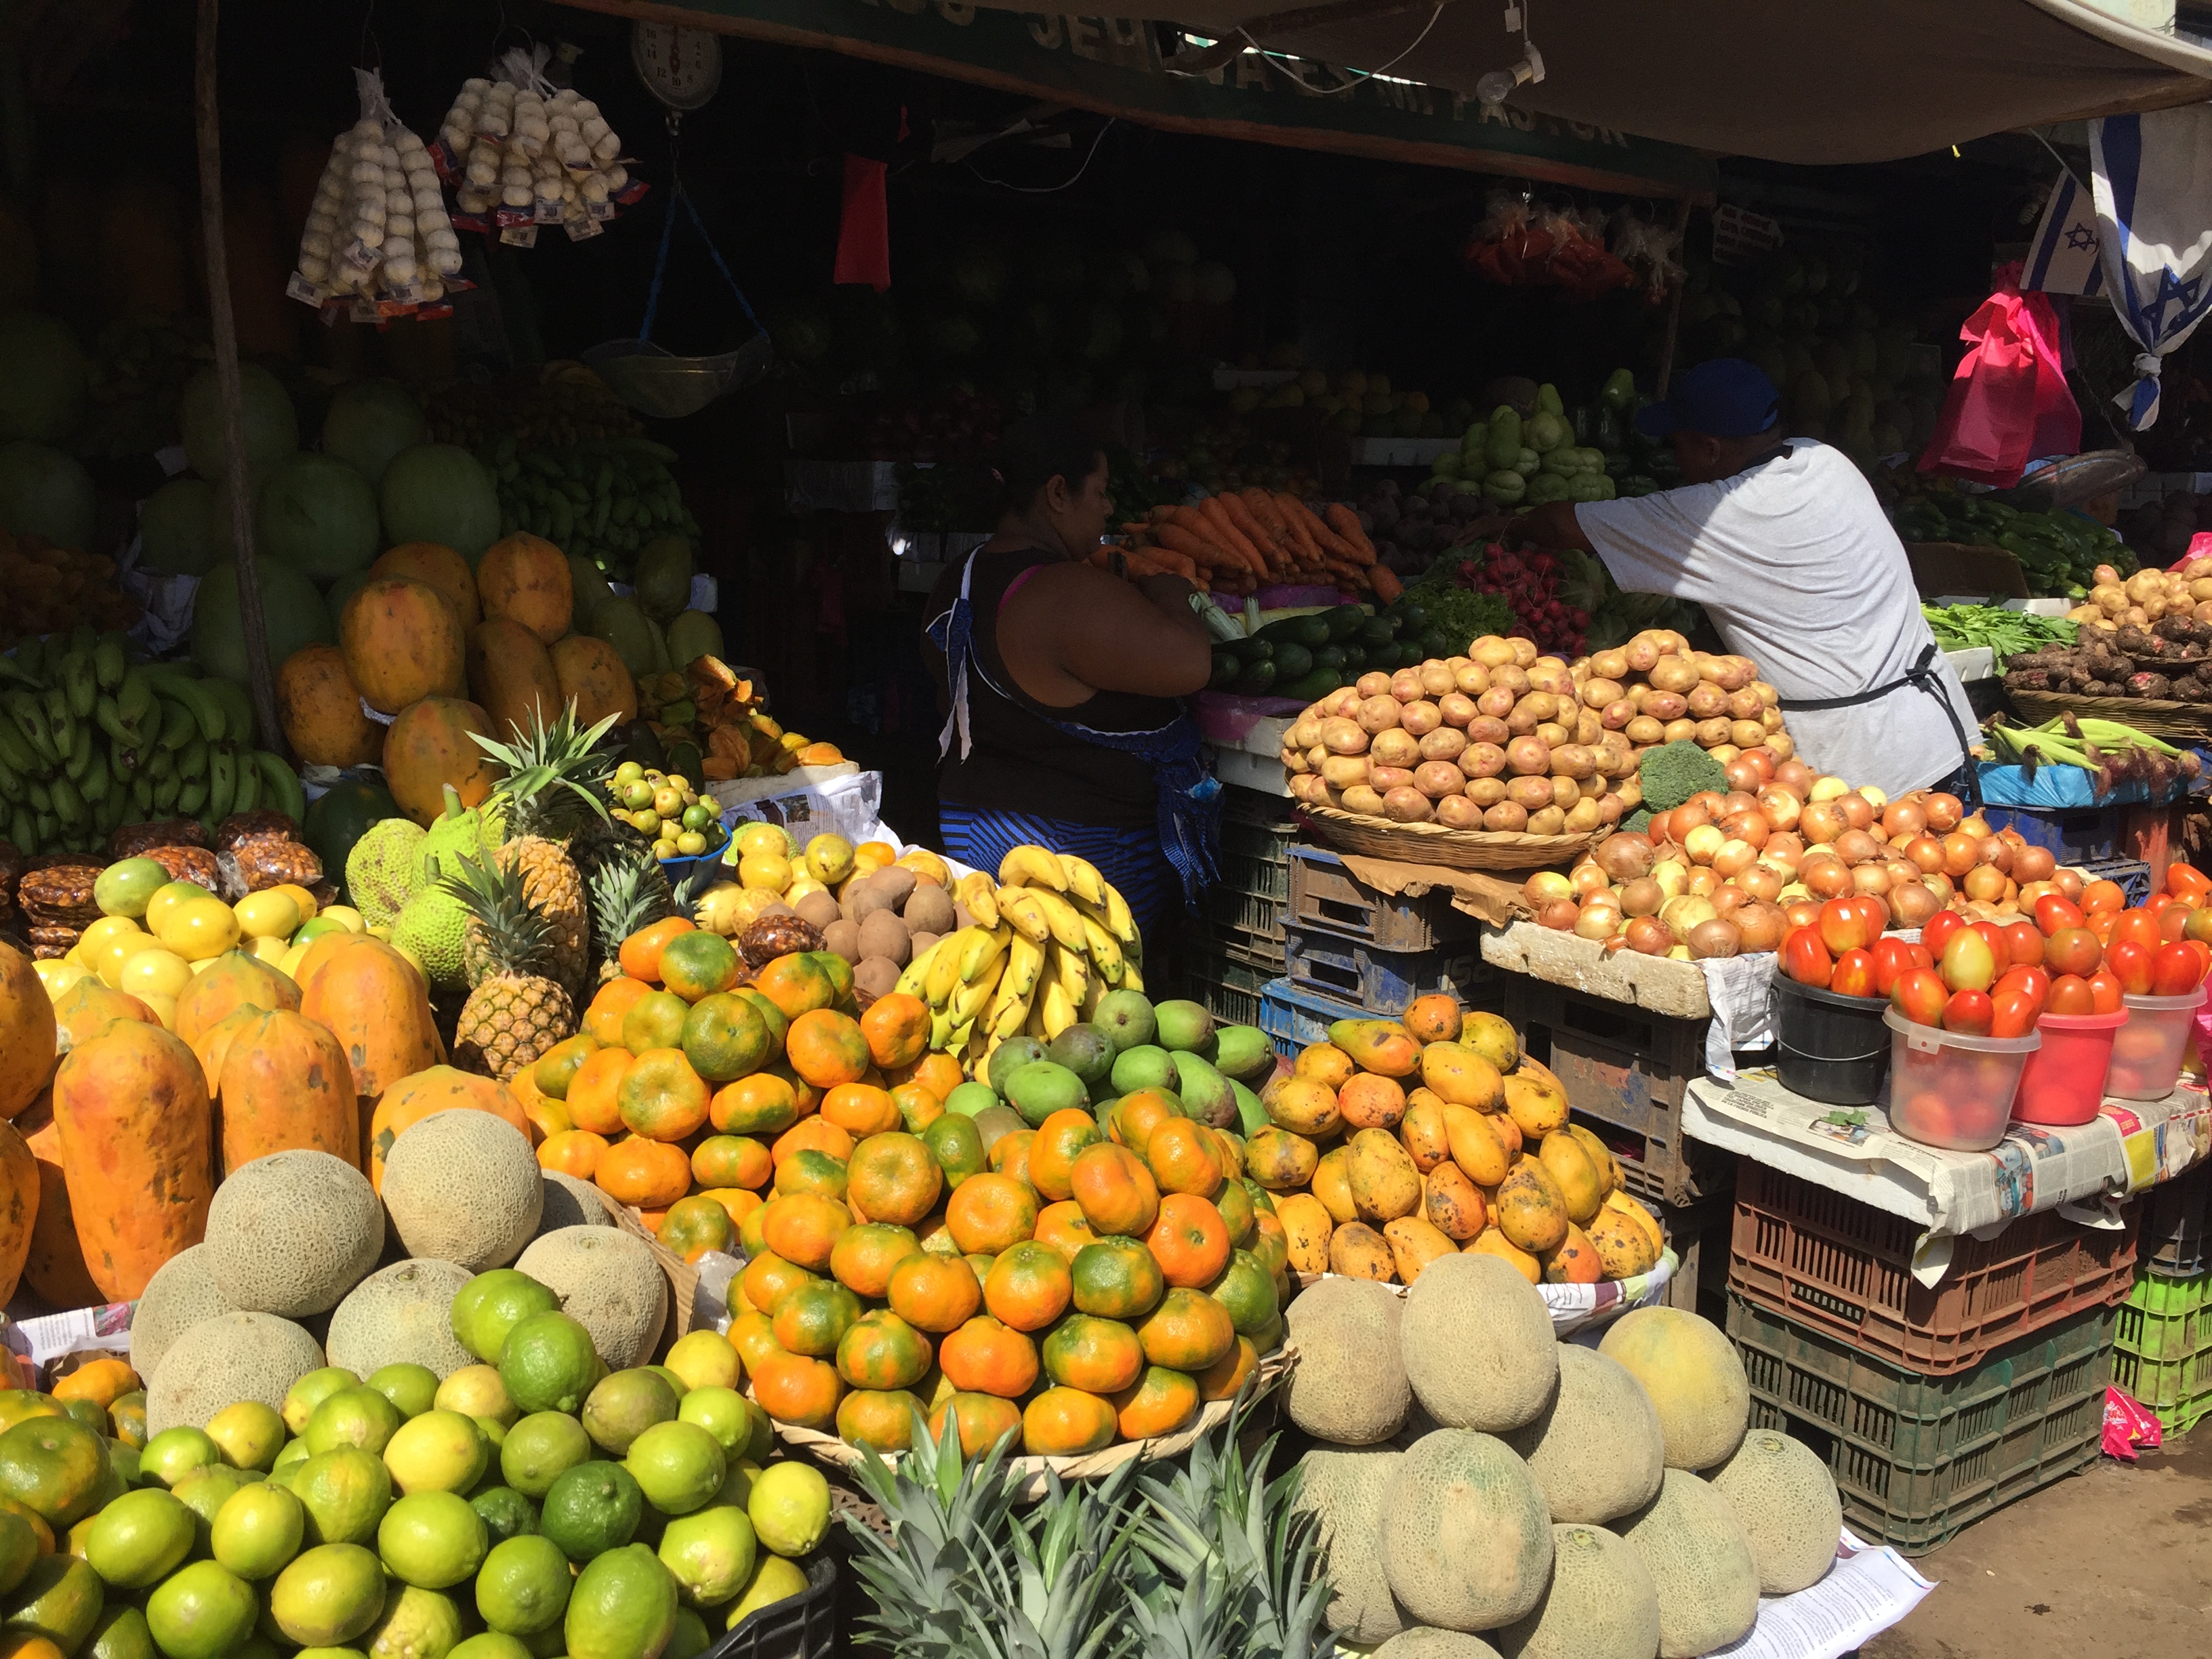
[[524, 152], [377, 235]]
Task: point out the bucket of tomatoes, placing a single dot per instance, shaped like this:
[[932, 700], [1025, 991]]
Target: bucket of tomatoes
[[1830, 991]]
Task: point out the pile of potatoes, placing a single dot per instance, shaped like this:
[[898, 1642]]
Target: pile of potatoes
[[881, 923], [2115, 601]]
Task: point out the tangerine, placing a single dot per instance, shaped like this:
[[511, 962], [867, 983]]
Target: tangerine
[[1115, 1191], [1066, 1422], [610, 1007], [752, 1334], [1029, 1287], [798, 985], [725, 1038], [825, 1046], [879, 1350], [655, 1021], [594, 1100], [1010, 1155], [803, 1228], [695, 965], [1190, 1241], [768, 1278], [760, 1105], [1184, 1158], [695, 1226], [895, 1179], [897, 1028], [1188, 1331], [935, 1293], [863, 1257], [988, 1212], [731, 1161], [1116, 1279], [955, 1143], [778, 1022], [1238, 1214], [573, 1152], [811, 1134], [661, 1098], [1065, 1228], [1225, 1376], [1059, 1140], [794, 1388], [650, 1174], [938, 1074], [640, 953], [1247, 1288], [811, 1172], [861, 1109], [879, 1418], [1098, 1356], [1158, 1403], [737, 1202], [985, 1357], [813, 1317], [981, 1419], [917, 1106], [1137, 1114]]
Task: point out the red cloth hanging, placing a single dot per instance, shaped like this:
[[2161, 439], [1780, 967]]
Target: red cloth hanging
[[2008, 403], [864, 230]]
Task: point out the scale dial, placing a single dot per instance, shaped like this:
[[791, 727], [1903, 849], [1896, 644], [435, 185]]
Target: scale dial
[[682, 67]]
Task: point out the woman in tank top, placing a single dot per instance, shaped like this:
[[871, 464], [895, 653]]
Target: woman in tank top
[[1061, 681]]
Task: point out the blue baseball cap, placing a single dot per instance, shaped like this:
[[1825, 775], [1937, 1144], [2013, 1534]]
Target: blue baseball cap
[[1723, 398]]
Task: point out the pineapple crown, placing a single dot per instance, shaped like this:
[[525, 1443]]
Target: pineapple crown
[[515, 938], [629, 892], [553, 772]]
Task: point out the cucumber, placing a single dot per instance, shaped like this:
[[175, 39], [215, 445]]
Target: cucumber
[[1306, 688], [1226, 668], [1292, 662], [1344, 621], [1257, 679]]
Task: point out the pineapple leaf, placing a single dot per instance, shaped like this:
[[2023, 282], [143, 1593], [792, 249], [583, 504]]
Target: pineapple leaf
[[553, 773]]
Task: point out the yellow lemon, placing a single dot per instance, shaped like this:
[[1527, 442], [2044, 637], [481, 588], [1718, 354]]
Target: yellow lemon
[[768, 872], [109, 927], [271, 913], [166, 898], [164, 1007], [346, 916], [199, 929], [299, 896], [272, 951], [293, 955], [763, 838], [56, 974], [156, 969]]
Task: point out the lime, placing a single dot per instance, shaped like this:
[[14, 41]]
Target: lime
[[172, 1454], [524, 1585], [475, 1391], [774, 1580], [490, 1644], [138, 1540], [789, 1508], [258, 1532], [361, 1417], [722, 1412], [416, 1623], [436, 1451], [626, 1405], [704, 1359], [677, 1466], [295, 1452], [59, 1599], [127, 1412], [121, 1633], [329, 1653], [590, 1509], [691, 1638], [547, 1363], [624, 1607], [506, 1513], [493, 1431], [93, 1415], [737, 1482], [19, 1547], [200, 1612], [123, 888], [412, 1388], [311, 1390], [492, 1304], [249, 1435], [204, 1491], [345, 1494], [551, 1643], [539, 1448], [431, 1539], [328, 1595], [710, 1552]]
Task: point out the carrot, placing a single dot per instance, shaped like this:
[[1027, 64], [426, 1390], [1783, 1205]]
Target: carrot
[[1388, 588], [1196, 548], [1262, 507], [1343, 520], [1228, 535], [1294, 519], [1240, 515], [1326, 539]]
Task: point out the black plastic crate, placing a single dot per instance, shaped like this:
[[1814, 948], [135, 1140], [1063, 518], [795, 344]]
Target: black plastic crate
[[1256, 834], [2175, 1213], [1325, 895], [802, 1627], [1380, 982], [1226, 981]]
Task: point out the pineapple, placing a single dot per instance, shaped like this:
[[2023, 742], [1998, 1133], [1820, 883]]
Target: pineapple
[[628, 893], [515, 1012], [550, 796]]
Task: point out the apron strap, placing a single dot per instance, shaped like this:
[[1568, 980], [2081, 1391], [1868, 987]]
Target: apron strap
[[1921, 675]]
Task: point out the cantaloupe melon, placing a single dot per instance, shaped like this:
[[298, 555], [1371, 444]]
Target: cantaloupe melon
[[291, 1233], [1699, 1559], [1596, 1449], [1695, 1376], [1478, 1343], [464, 1187], [1786, 1498], [1426, 1642], [1350, 1386], [181, 1293], [1466, 1540], [1342, 1488], [1601, 1603], [609, 1282], [569, 1202], [402, 1314], [221, 1361]]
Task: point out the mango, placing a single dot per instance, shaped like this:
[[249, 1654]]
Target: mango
[[1243, 1052], [1042, 1087], [1452, 1203], [1600, 1156], [1492, 1036], [1332, 1185], [1231, 1147], [1493, 1241], [1623, 1248], [1477, 1147], [1414, 1244], [1369, 1102], [1573, 1261], [1531, 1211], [1460, 1077], [1382, 1046], [1307, 1226], [1537, 1107], [1433, 1018], [1324, 1062], [1643, 1220], [1567, 1164], [1358, 1251], [1303, 1105], [1250, 1113], [1281, 1160], [1084, 1049], [1422, 1131], [1145, 1065], [1384, 1183], [1182, 1027]]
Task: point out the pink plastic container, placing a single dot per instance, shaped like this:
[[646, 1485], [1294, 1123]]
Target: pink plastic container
[[2147, 1054], [2063, 1083], [1949, 1090]]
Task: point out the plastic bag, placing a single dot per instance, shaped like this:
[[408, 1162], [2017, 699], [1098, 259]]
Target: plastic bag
[[2129, 1428], [2008, 401]]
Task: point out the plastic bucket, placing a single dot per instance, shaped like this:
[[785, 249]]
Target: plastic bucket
[[2147, 1054], [2063, 1083], [1949, 1090], [1829, 1048]]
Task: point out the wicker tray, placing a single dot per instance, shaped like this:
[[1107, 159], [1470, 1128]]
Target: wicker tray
[[1455, 849], [2177, 722]]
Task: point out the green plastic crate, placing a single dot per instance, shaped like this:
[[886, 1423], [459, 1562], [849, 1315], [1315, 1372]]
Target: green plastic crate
[[2162, 1349], [1918, 1458]]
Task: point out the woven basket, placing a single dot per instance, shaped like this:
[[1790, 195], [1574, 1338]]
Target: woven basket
[[2177, 722], [1454, 849]]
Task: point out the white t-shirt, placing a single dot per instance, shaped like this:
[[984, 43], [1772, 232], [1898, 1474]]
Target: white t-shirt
[[1800, 571]]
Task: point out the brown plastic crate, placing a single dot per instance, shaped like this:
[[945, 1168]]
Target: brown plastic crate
[[1843, 1267]]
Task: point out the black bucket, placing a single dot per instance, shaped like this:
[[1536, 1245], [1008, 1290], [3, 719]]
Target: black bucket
[[1829, 1048]]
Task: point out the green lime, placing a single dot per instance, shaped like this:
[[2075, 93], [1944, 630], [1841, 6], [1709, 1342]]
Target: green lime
[[490, 1644], [121, 1633], [249, 1435], [311, 1390], [475, 1391], [524, 1585], [90, 1412], [691, 1638], [431, 1539], [200, 1612], [547, 1363], [363, 1417], [774, 1580], [128, 1414], [789, 1508], [124, 1460], [59, 1599], [437, 1451], [345, 1494], [710, 1552], [625, 1405], [539, 1448], [294, 1452], [204, 1491], [624, 1607], [258, 1532], [139, 1538], [701, 1359], [19, 1547], [591, 1509], [722, 1412], [328, 1595], [172, 1454], [417, 1624], [411, 1388], [328, 1653], [492, 1304], [506, 1513], [493, 1433], [677, 1466], [737, 1482]]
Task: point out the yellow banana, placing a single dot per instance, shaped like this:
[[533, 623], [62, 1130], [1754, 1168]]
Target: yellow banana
[[1034, 1025], [983, 950], [1093, 994], [978, 1041], [1025, 962], [1010, 1018], [1070, 971], [1063, 918], [967, 1000], [1018, 906], [917, 971], [956, 1038], [1031, 866], [940, 1031], [1105, 951], [1119, 921], [1059, 1011], [1131, 979], [981, 895], [944, 969], [1003, 996], [1083, 878]]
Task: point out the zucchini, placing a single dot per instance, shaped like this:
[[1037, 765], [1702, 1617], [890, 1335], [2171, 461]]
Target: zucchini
[[1256, 679], [1226, 668], [1292, 662], [1309, 687], [1345, 621]]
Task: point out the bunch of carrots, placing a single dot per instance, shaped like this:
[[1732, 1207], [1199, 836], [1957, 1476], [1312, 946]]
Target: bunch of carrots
[[1236, 541]]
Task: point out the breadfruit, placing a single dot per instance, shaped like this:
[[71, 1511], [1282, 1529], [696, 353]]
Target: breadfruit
[[1695, 1376], [1426, 1642], [1596, 1449], [570, 1203], [399, 1315], [1700, 1563], [464, 1187], [1466, 1538], [1478, 1343], [1343, 1489], [1350, 1384], [291, 1233], [609, 1283], [1786, 1498], [221, 1361], [381, 871], [180, 1294], [1600, 1605]]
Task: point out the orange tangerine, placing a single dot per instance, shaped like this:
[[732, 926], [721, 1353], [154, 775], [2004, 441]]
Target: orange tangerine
[[1190, 1241], [1221, 1380], [695, 1226], [794, 1388], [640, 952], [799, 984], [935, 1293], [861, 1109], [697, 964], [609, 1007], [1060, 1139], [1098, 1356], [826, 1047], [737, 1202], [661, 1098], [1115, 1279], [1137, 1114], [1115, 1191], [752, 1334], [1029, 1286], [863, 1257], [895, 1179], [803, 1228], [918, 1107], [1158, 1403], [574, 1151], [1065, 1228], [768, 1278], [982, 1420], [1184, 1158], [760, 1105], [650, 1174], [811, 1172], [1066, 1422], [1187, 1332], [985, 1357], [879, 1350], [897, 1028], [812, 1318], [880, 1419], [594, 1100], [811, 1134], [1010, 1155], [731, 1161], [988, 1212]]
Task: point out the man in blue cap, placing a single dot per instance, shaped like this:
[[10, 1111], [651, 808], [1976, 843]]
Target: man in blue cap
[[1783, 542]]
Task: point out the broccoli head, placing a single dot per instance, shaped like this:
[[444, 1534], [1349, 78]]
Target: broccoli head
[[1672, 773]]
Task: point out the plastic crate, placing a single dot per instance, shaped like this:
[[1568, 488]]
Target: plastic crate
[[2071, 834], [2133, 876], [1325, 894], [2162, 1348], [1225, 981], [1627, 1070], [2174, 1216], [1380, 982], [1294, 1019], [1844, 1267], [803, 1626], [1918, 1458], [1256, 833]]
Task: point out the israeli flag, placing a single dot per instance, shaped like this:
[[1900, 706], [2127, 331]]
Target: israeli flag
[[2153, 174], [2062, 258]]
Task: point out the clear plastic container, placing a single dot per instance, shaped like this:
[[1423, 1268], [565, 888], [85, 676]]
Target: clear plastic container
[[2146, 1054], [1949, 1090], [2065, 1082]]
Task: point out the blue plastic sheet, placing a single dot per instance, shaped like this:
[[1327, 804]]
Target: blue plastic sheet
[[2062, 788]]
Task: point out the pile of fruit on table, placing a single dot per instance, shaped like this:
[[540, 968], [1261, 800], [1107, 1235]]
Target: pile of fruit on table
[[666, 808]]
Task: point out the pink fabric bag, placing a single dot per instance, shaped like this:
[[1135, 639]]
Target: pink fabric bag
[[2008, 402]]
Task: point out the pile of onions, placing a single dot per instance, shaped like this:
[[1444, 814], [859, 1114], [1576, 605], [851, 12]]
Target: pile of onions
[[1727, 874]]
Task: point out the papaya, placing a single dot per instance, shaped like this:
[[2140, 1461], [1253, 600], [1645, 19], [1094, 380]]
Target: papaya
[[28, 1032], [234, 980], [433, 743], [526, 579], [286, 1087], [19, 1208], [511, 676], [374, 1003], [1307, 1227], [403, 641], [87, 1008], [1433, 1018], [55, 1265], [1492, 1036], [1573, 1261], [320, 707], [1382, 1046], [437, 566], [1460, 1077], [214, 1045], [1452, 1203], [1623, 1249], [409, 1100], [1332, 1185]]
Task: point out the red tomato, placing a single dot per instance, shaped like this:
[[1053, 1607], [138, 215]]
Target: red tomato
[[1967, 963], [2055, 912], [2072, 950], [2026, 944], [1876, 909], [1922, 956], [2000, 946], [2014, 1013], [1919, 995], [1844, 926], [2104, 992], [1891, 956], [2174, 971], [2130, 963], [2070, 995], [1853, 975], [2136, 927], [2203, 956], [1940, 928], [2100, 924], [2188, 884], [1970, 1013], [1805, 958], [2172, 919], [2034, 980], [2103, 896], [2199, 924]]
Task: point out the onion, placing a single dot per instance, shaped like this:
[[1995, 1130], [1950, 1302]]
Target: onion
[[1733, 858], [1827, 787], [1801, 913], [1913, 904], [1649, 936], [1750, 826], [1758, 926], [1703, 842], [1976, 826], [1858, 811], [1717, 937], [1821, 823], [2032, 863], [1730, 898], [2070, 883], [1681, 914], [1779, 806], [1762, 882], [1903, 817], [1985, 883], [1795, 773], [1997, 852], [1961, 852], [1871, 878], [1763, 758], [1857, 846], [1641, 896], [1786, 848], [1687, 817], [1827, 878], [1943, 812], [1705, 881], [1588, 880], [1597, 921], [1559, 914], [1545, 886], [1625, 856], [1660, 829], [1940, 886], [1672, 874]]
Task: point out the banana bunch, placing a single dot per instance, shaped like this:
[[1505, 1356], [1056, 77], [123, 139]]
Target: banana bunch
[[88, 743], [1050, 938]]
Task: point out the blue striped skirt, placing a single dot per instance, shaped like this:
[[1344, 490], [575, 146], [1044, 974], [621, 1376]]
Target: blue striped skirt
[[1130, 858]]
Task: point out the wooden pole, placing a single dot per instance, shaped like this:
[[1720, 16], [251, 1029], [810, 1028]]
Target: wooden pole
[[237, 487]]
